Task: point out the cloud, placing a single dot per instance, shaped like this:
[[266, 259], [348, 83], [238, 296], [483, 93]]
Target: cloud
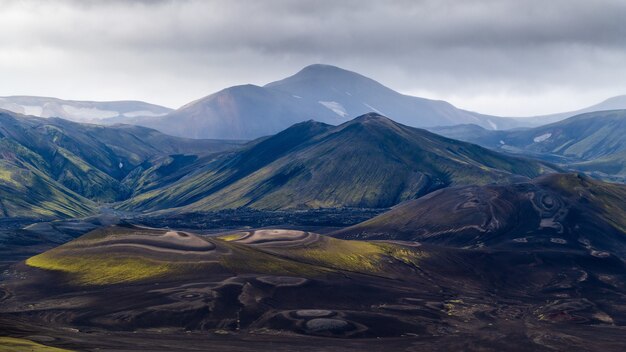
[[495, 56]]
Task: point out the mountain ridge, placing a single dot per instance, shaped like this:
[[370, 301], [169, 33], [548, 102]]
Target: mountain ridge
[[370, 161], [322, 92], [592, 142], [80, 110], [70, 166]]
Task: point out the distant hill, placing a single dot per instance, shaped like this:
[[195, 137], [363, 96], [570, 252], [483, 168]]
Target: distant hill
[[54, 167], [321, 92], [593, 142], [553, 211], [79, 111], [614, 103], [370, 161]]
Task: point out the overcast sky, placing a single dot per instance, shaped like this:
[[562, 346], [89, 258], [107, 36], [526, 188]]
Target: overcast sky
[[510, 58]]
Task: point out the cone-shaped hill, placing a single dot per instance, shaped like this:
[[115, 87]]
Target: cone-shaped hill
[[558, 211]]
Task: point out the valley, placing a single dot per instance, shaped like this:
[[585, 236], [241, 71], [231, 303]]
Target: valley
[[340, 235], [318, 176]]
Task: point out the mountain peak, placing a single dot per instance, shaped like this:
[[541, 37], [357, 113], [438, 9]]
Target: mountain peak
[[373, 118], [318, 73], [322, 67]]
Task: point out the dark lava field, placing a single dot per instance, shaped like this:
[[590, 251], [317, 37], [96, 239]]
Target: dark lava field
[[551, 280]]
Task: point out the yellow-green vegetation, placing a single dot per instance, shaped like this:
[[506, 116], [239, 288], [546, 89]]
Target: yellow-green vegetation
[[12, 344], [340, 254], [78, 162], [104, 269], [360, 256], [407, 255], [7, 176], [247, 259], [231, 237], [86, 267]]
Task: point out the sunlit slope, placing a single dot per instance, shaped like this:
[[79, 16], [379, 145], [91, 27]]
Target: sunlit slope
[[133, 254], [53, 158], [27, 192]]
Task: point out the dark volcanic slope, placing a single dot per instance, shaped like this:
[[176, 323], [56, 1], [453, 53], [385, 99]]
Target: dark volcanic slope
[[592, 142], [49, 165], [559, 211], [368, 162], [285, 289]]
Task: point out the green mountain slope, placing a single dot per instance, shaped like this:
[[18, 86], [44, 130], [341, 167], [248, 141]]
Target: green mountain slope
[[592, 142], [93, 160], [57, 168], [370, 161], [25, 191]]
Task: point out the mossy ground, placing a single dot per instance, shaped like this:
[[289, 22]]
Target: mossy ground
[[103, 269], [327, 254], [12, 344], [83, 265]]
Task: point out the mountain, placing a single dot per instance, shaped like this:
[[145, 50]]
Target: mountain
[[592, 142], [52, 167], [567, 211], [321, 92], [26, 192], [240, 112], [349, 94], [370, 162], [80, 111], [614, 103]]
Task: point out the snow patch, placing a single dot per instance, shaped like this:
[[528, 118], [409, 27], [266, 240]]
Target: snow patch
[[89, 113], [297, 96], [348, 93], [493, 125], [502, 142], [34, 110], [542, 138], [335, 107], [121, 165], [143, 113]]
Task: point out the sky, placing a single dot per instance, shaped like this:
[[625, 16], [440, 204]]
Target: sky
[[501, 57]]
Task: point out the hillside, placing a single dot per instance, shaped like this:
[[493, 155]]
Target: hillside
[[613, 103], [370, 161], [50, 165], [592, 142], [559, 210]]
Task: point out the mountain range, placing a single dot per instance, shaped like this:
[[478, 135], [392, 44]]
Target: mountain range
[[326, 94], [79, 111], [592, 142], [369, 162], [54, 167], [321, 92], [613, 103]]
